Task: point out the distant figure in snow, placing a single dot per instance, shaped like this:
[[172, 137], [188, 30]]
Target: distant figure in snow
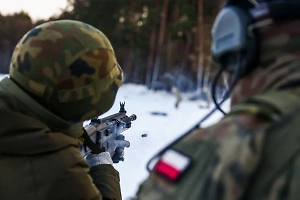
[[178, 96], [206, 91]]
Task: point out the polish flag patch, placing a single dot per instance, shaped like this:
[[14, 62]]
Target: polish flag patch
[[172, 164]]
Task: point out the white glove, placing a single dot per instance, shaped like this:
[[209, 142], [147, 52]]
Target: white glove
[[98, 159], [116, 149]]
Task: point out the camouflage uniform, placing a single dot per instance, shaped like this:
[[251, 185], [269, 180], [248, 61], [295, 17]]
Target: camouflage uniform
[[62, 73], [253, 152]]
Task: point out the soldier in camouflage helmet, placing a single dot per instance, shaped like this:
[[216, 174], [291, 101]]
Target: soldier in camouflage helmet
[[253, 152], [61, 74]]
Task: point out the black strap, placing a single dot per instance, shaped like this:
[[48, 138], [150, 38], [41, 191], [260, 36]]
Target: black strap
[[280, 148], [90, 144]]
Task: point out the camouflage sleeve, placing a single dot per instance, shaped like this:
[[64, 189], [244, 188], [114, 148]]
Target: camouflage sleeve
[[240, 141], [106, 179], [224, 158]]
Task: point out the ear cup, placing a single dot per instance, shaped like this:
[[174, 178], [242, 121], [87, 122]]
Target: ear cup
[[231, 40]]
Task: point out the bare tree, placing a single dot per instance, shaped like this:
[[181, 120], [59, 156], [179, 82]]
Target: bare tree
[[151, 57], [160, 40], [201, 45]]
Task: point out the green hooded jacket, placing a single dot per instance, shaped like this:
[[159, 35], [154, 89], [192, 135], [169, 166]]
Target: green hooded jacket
[[39, 156]]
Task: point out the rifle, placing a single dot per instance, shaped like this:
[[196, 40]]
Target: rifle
[[102, 132]]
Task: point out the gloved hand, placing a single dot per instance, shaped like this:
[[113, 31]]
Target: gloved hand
[[98, 159], [114, 152], [120, 143]]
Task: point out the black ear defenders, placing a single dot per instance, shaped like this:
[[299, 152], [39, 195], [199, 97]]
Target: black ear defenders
[[235, 34]]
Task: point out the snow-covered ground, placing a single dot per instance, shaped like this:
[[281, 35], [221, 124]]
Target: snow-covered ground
[[160, 130]]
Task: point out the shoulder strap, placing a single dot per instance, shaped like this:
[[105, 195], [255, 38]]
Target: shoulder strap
[[282, 145], [295, 183], [272, 105], [282, 142], [90, 144], [284, 102]]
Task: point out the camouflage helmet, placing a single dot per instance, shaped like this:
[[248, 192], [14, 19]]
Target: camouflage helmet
[[70, 67]]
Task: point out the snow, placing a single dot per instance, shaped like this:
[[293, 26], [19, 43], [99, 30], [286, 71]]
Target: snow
[[160, 130]]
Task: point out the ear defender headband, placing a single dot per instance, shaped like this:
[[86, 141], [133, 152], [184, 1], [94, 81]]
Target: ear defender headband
[[235, 36]]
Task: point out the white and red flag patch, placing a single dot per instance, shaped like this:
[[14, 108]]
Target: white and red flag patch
[[172, 164]]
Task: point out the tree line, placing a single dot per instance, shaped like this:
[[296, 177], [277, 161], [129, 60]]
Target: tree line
[[159, 43]]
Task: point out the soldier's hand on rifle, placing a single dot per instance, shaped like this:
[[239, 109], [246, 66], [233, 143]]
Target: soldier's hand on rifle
[[103, 135], [113, 154], [120, 143]]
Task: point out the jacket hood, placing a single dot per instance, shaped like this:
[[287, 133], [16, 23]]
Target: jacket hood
[[279, 67], [24, 129]]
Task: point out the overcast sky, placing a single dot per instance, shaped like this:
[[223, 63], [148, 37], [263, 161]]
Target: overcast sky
[[37, 9]]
